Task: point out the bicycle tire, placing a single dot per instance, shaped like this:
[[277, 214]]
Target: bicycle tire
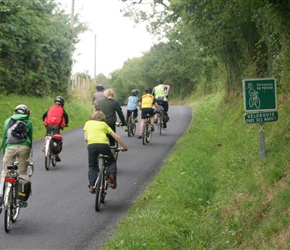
[[14, 208], [47, 155], [145, 132], [7, 212], [148, 134], [129, 126], [99, 184], [53, 160], [160, 123]]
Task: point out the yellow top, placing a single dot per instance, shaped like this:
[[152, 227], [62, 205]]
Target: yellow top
[[147, 101], [97, 132]]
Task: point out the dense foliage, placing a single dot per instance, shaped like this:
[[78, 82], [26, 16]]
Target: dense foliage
[[36, 41], [204, 41]]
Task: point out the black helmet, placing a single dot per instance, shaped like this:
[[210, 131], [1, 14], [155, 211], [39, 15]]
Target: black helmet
[[59, 100], [100, 87], [22, 109], [148, 90], [159, 81], [134, 92]]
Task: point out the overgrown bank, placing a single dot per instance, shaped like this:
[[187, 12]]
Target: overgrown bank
[[214, 192]]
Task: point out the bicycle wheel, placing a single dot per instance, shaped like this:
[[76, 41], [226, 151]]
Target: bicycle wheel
[[47, 155], [148, 134], [129, 126], [7, 212], [14, 208], [106, 185], [160, 123], [145, 132], [99, 184], [53, 160], [133, 128]]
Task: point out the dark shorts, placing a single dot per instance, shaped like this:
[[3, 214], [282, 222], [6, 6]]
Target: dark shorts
[[52, 130], [145, 111]]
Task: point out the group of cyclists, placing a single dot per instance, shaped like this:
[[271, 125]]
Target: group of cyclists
[[97, 131]]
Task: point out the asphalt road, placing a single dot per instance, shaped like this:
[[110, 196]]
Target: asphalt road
[[60, 212]]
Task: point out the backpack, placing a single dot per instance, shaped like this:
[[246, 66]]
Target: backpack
[[56, 144], [16, 131], [55, 117], [24, 187]]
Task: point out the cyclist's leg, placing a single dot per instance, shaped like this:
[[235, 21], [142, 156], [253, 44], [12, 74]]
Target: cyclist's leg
[[135, 114], [143, 117], [56, 130], [112, 165], [93, 152], [111, 139], [165, 106], [152, 118], [23, 159]]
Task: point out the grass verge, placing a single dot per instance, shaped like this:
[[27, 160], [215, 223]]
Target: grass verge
[[213, 191]]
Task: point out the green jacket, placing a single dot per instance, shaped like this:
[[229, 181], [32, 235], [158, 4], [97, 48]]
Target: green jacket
[[27, 142], [110, 107]]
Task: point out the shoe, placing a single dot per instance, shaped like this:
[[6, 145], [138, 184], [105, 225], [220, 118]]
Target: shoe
[[113, 182], [22, 204], [126, 129], [139, 137], [57, 158], [92, 190], [136, 119], [152, 127]]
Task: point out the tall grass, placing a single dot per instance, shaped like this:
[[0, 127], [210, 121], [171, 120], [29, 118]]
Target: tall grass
[[213, 191]]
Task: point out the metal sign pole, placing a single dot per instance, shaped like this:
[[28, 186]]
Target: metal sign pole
[[262, 142]]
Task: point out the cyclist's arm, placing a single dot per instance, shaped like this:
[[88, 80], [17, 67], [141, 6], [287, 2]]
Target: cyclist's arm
[[85, 136], [65, 116], [118, 139], [44, 115], [167, 89]]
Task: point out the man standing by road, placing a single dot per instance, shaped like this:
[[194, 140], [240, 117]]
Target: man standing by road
[[98, 96]]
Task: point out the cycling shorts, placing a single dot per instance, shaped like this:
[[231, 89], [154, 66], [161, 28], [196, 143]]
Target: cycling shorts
[[145, 111]]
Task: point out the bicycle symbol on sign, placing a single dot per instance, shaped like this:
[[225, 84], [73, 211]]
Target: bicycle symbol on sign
[[254, 99]]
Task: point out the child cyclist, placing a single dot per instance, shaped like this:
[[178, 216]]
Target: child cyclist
[[145, 104], [132, 104], [96, 131]]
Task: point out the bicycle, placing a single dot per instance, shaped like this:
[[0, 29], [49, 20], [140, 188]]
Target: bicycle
[[131, 125], [49, 155], [147, 132], [160, 119], [102, 182], [11, 203]]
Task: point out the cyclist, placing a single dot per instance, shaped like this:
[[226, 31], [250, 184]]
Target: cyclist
[[55, 119], [96, 131], [98, 96], [145, 104], [19, 147], [161, 92], [109, 106], [132, 104]]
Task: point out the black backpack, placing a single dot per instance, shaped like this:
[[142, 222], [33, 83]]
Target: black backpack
[[16, 131]]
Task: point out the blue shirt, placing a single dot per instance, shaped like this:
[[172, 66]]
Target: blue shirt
[[132, 102]]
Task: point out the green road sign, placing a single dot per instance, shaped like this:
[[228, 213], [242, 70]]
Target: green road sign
[[260, 94], [261, 117]]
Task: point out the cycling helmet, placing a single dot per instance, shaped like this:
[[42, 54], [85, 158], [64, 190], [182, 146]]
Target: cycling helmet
[[59, 100], [148, 90], [134, 92], [159, 81], [22, 109], [100, 87]]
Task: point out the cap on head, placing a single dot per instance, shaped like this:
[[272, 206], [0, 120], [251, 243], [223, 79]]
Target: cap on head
[[22, 109]]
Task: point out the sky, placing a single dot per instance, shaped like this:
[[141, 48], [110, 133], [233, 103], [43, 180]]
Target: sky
[[117, 37]]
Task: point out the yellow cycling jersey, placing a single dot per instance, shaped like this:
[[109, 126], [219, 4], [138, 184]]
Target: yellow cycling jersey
[[147, 101]]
